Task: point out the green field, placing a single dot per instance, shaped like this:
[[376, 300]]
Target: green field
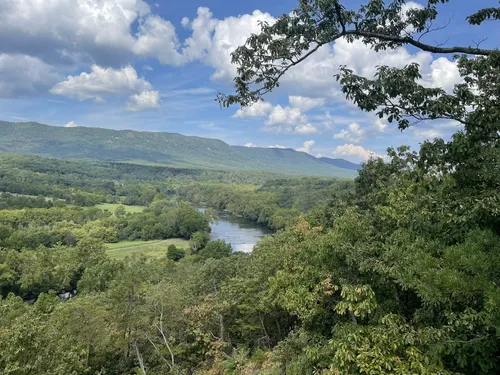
[[155, 249], [111, 207]]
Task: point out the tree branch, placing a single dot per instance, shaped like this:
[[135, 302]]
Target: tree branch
[[422, 46]]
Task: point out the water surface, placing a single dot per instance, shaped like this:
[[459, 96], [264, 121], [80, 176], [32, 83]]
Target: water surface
[[242, 234]]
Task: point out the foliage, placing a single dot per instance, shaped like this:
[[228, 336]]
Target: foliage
[[175, 254], [397, 274], [216, 249]]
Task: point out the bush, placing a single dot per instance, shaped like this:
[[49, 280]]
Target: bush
[[175, 254]]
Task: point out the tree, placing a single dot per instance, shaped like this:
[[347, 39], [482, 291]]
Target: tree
[[216, 249], [394, 94], [120, 211], [175, 253], [405, 272], [198, 241], [267, 57]]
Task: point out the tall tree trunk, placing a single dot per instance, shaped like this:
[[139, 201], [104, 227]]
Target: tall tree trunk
[[139, 358]]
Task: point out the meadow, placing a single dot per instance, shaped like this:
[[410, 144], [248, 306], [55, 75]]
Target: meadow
[[155, 248], [111, 207]]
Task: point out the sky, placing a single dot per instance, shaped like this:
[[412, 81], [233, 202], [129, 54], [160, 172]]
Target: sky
[[158, 65]]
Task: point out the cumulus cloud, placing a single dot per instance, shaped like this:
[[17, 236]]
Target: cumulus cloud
[[306, 147], [312, 76], [250, 144], [276, 146], [22, 75], [102, 81], [71, 124], [285, 116], [358, 152], [213, 40], [111, 33], [305, 129], [286, 120], [145, 100], [258, 109], [305, 103], [61, 31], [380, 126], [353, 133], [157, 38], [443, 73]]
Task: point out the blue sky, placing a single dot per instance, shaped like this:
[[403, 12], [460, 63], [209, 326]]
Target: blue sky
[[157, 65]]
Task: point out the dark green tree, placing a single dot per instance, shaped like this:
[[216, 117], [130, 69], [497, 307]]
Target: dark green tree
[[216, 249], [174, 253], [120, 211]]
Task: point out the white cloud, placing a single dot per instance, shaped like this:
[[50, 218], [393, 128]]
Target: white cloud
[[185, 22], [102, 81], [286, 120], [258, 109], [305, 129], [147, 67], [353, 133], [285, 116], [305, 103], [102, 32], [380, 126], [314, 76], [157, 38], [145, 100], [429, 134], [306, 146], [404, 10], [71, 31], [99, 100], [250, 144], [276, 146], [214, 40], [356, 132], [444, 73], [24, 75], [359, 152], [71, 124], [198, 45]]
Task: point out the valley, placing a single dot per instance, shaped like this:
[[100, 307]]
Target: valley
[[144, 251]]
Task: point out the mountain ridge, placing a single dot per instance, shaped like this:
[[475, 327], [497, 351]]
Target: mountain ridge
[[161, 148]]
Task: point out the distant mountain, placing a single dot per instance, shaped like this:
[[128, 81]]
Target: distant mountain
[[157, 148], [341, 163]]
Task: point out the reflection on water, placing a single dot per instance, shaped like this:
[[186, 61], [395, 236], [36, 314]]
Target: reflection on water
[[240, 233]]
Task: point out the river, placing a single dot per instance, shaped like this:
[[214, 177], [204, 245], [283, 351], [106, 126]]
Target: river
[[242, 234]]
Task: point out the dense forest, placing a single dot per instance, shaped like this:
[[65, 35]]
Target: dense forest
[[396, 272]]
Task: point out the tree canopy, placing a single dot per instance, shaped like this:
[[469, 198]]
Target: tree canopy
[[396, 273]]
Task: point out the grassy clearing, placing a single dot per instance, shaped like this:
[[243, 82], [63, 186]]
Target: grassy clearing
[[111, 207], [156, 249]]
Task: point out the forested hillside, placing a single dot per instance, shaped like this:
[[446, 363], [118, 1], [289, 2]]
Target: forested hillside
[[159, 148]]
